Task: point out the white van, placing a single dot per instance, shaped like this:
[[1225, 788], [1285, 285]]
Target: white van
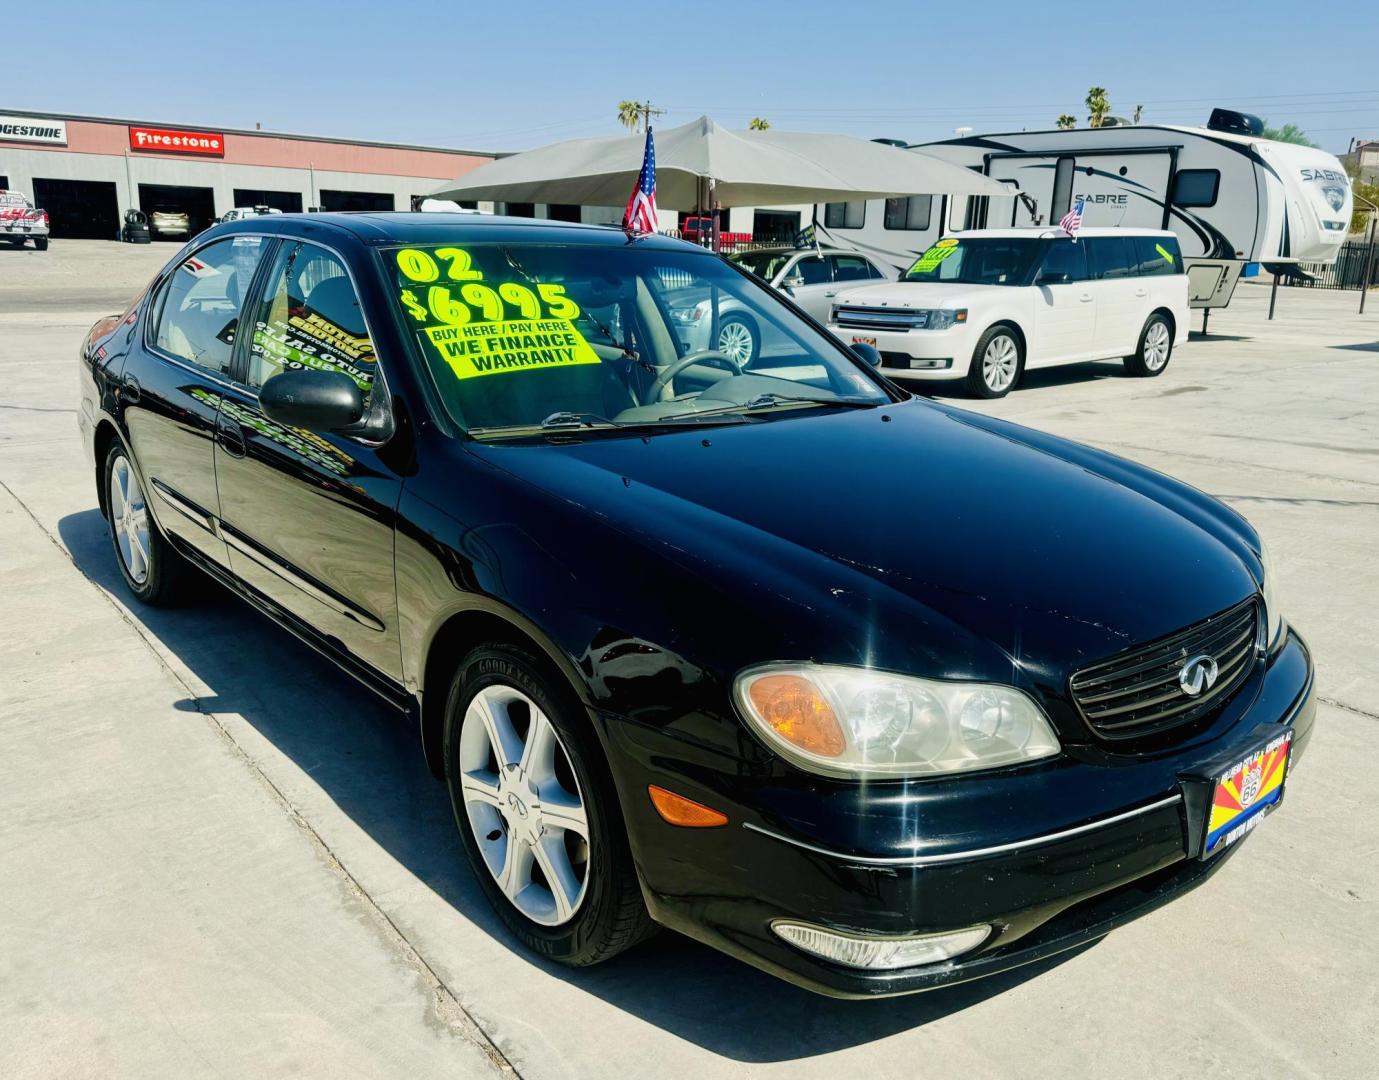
[[986, 304]]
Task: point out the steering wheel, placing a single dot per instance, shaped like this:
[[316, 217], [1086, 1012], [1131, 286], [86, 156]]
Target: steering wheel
[[663, 380]]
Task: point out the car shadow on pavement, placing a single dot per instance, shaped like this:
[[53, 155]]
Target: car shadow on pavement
[[370, 765]]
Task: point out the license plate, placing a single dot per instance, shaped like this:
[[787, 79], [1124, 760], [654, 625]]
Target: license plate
[[1245, 793], [858, 339]]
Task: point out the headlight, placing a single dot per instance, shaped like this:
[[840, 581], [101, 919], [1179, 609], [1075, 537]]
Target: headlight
[[943, 318], [1273, 617], [690, 314], [853, 722]]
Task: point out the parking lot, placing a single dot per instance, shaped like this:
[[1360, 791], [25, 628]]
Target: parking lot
[[220, 856]]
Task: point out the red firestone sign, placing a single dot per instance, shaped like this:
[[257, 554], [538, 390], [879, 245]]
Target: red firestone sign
[[168, 141]]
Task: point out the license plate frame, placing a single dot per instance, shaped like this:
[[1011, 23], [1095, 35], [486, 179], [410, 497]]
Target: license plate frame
[[1245, 792]]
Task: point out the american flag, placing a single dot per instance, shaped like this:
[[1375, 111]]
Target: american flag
[[640, 215], [1072, 220]]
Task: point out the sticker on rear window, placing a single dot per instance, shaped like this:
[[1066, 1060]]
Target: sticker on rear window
[[1164, 252], [478, 329]]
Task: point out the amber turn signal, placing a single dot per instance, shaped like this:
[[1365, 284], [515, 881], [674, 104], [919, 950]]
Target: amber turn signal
[[799, 713], [679, 810]]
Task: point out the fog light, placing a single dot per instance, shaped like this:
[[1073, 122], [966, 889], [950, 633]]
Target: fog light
[[880, 953]]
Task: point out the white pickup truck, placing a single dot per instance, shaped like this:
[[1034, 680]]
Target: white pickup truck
[[20, 220]]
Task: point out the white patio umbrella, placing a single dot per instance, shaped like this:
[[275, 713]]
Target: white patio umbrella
[[738, 168]]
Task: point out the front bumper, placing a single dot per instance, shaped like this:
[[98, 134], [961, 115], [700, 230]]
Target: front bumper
[[1046, 890], [951, 349]]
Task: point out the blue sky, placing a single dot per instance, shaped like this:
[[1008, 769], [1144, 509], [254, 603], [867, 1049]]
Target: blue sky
[[515, 75]]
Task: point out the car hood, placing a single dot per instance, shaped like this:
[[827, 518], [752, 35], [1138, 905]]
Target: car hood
[[908, 294], [921, 526]]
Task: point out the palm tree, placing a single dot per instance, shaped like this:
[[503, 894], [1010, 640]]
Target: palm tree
[[756, 123], [630, 114], [1289, 133], [1098, 105], [1066, 122]]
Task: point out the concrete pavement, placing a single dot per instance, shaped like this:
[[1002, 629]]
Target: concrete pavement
[[218, 856]]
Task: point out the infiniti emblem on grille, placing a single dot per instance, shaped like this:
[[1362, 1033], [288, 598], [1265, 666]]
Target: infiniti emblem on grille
[[1197, 674]]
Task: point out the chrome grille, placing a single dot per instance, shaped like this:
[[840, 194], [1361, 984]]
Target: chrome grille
[[878, 318], [1137, 692]]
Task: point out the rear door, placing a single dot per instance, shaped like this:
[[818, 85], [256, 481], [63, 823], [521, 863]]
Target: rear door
[[309, 516], [1064, 307], [174, 380], [1122, 296]]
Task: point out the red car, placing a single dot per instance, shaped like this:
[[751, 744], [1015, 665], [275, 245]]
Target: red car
[[699, 230]]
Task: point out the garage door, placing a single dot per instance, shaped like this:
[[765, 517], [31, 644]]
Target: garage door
[[79, 209], [289, 202], [355, 200], [171, 202]]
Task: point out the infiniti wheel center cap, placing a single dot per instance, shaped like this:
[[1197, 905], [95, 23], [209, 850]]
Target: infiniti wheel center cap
[[520, 804]]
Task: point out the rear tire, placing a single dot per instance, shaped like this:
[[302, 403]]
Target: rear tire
[[41, 242], [998, 361], [152, 570], [520, 818], [1155, 349]]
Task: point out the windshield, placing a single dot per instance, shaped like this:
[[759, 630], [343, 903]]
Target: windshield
[[988, 261], [543, 337], [765, 264]]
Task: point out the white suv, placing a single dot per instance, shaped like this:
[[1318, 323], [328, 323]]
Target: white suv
[[984, 305]]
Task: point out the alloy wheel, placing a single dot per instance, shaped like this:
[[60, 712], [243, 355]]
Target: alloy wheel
[[1156, 345], [129, 518], [999, 363], [735, 341], [524, 805]]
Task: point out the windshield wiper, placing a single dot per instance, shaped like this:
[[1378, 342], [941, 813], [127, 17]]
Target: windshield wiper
[[563, 419], [770, 401]]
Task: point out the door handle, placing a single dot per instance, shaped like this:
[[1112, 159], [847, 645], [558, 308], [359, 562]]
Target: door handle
[[833, 293], [1141, 292], [230, 436], [1085, 298], [130, 389]]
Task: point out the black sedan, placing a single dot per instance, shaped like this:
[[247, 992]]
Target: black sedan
[[872, 693]]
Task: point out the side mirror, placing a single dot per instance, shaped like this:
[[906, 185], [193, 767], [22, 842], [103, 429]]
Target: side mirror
[[794, 281], [1054, 277], [315, 400], [867, 353]]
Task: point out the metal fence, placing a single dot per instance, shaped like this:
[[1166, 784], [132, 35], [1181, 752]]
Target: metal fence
[[1345, 273]]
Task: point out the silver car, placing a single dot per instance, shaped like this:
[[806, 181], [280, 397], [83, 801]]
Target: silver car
[[810, 277]]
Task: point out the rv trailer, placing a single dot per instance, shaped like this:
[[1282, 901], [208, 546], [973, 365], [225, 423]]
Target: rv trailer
[[1231, 196]]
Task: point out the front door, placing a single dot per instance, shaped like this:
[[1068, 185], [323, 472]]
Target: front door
[[1064, 307], [173, 382], [813, 286], [309, 516]]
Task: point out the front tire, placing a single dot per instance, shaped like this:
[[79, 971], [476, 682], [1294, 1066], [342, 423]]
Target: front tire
[[537, 812], [739, 339], [41, 243], [151, 569], [1155, 348], [997, 363]]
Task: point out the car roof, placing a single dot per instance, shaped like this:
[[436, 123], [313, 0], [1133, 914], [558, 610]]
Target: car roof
[[395, 227], [1044, 232], [789, 249]]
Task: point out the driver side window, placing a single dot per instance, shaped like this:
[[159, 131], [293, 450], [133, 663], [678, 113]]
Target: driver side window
[[310, 317], [812, 269], [200, 305]]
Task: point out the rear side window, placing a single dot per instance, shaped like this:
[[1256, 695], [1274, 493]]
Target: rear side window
[[199, 306], [310, 318], [845, 215], [913, 212], [1111, 257], [1158, 254], [1196, 187]]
